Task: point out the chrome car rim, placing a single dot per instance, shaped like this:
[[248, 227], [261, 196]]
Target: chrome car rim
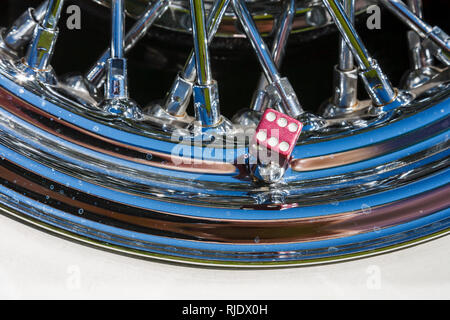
[[81, 158]]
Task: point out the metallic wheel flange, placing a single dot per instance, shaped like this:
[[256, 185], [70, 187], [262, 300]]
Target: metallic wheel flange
[[309, 15], [366, 176]]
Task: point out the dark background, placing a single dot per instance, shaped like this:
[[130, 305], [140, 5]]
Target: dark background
[[155, 61]]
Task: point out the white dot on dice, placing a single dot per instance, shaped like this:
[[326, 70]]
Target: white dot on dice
[[282, 122], [261, 136], [284, 146], [271, 116], [293, 127]]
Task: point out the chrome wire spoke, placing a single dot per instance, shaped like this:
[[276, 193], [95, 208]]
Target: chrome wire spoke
[[422, 64], [117, 100], [205, 90], [87, 88], [434, 34], [279, 89], [42, 46], [260, 98], [345, 81], [177, 99], [21, 32], [376, 83], [435, 39], [95, 75], [283, 29]]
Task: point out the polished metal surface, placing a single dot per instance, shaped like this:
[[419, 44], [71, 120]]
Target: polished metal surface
[[414, 21], [178, 97], [309, 15], [21, 32], [345, 81], [376, 83], [44, 39], [117, 100], [205, 91], [88, 88], [154, 184], [279, 89], [422, 69], [284, 27]]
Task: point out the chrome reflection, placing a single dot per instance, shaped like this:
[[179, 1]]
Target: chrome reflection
[[309, 15], [360, 182]]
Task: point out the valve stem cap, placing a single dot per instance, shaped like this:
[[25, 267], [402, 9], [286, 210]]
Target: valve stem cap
[[277, 134]]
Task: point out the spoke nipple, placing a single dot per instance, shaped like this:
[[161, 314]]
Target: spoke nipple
[[282, 97], [221, 128], [41, 49], [418, 77], [247, 118], [117, 101], [344, 100], [311, 122], [13, 39], [123, 107], [177, 99], [79, 88], [207, 108], [377, 85], [157, 112], [401, 98]]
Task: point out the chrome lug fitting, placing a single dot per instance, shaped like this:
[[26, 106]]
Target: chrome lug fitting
[[439, 45], [421, 58], [14, 38], [178, 97], [205, 90], [89, 86], [176, 102], [345, 77], [383, 95], [377, 85], [344, 99], [36, 62], [282, 97], [117, 101], [207, 110], [422, 69]]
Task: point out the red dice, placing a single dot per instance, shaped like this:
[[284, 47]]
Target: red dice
[[277, 133]]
